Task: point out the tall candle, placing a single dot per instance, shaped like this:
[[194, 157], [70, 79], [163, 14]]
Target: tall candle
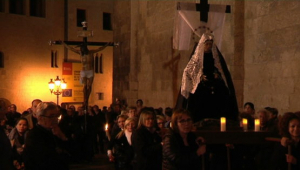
[[257, 125], [245, 124], [223, 124]]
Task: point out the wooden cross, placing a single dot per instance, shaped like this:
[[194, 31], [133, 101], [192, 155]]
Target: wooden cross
[[87, 57], [204, 8]]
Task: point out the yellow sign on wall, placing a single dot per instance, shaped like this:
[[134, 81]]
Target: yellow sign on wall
[[71, 74]]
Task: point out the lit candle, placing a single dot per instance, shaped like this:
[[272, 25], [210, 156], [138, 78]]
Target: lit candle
[[107, 132], [257, 125], [106, 126], [170, 124], [223, 124], [245, 124], [59, 118]]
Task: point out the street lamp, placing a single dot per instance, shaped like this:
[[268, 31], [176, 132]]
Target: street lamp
[[57, 86]]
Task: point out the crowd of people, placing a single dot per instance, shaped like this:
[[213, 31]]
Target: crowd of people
[[48, 136]]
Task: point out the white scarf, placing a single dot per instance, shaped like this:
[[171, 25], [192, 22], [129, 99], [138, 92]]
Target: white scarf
[[128, 136], [194, 69]]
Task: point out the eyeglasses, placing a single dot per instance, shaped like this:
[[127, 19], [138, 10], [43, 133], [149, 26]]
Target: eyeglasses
[[149, 118], [50, 117], [182, 121]]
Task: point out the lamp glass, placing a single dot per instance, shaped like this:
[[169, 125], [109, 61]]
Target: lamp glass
[[63, 85], [57, 81], [51, 85]]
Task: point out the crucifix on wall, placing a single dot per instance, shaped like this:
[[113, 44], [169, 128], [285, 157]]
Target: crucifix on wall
[[87, 58]]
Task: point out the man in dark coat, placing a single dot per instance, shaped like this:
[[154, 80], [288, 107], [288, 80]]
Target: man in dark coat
[[44, 143]]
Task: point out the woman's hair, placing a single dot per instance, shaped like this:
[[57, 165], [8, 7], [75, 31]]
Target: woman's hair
[[285, 121], [143, 116], [43, 107], [123, 116], [20, 120], [160, 117], [264, 111], [177, 114], [127, 121], [249, 104]]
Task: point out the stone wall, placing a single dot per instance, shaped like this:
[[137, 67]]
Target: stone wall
[[145, 66], [27, 54], [272, 54]]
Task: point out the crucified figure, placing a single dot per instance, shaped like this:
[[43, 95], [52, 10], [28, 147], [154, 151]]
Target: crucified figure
[[87, 72]]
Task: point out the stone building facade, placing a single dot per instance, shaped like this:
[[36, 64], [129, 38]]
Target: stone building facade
[[26, 55], [260, 45]]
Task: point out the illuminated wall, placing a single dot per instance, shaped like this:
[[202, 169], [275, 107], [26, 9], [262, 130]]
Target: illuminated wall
[[27, 54]]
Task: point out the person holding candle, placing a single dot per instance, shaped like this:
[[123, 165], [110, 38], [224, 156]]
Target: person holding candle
[[115, 130], [181, 148], [289, 127]]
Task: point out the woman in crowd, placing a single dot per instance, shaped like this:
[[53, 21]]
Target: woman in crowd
[[17, 139], [181, 148], [289, 151], [123, 151], [116, 129], [161, 120], [147, 143]]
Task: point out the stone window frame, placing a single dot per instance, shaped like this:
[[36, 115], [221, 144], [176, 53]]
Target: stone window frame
[[106, 21], [80, 17], [99, 64], [54, 59], [17, 7], [37, 8]]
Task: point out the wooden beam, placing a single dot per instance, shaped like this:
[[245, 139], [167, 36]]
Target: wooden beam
[[234, 137], [57, 42]]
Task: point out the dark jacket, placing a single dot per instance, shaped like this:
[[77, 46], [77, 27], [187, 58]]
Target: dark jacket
[[147, 149], [176, 155], [278, 159], [6, 153], [43, 151], [123, 153]]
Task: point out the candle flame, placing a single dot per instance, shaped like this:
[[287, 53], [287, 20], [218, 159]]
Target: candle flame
[[223, 119], [59, 118], [106, 127], [257, 122], [245, 121]]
